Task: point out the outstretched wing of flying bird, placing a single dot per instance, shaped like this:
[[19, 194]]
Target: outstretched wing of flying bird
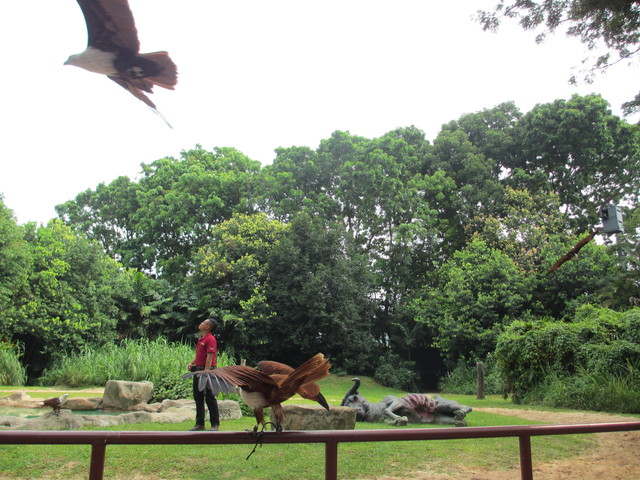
[[113, 50], [573, 252]]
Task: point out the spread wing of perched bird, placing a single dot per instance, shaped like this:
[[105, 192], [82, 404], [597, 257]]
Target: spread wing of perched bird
[[277, 371], [259, 390], [56, 403], [113, 50], [573, 252]]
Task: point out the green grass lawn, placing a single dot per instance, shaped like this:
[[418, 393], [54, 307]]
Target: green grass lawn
[[280, 462]]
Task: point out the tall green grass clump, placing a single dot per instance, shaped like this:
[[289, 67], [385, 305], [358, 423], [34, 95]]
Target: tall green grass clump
[[157, 361], [463, 379], [590, 390], [11, 370]]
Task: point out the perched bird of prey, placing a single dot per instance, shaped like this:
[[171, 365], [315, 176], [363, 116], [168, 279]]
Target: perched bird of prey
[[56, 403], [278, 371], [113, 50], [259, 390], [573, 252]]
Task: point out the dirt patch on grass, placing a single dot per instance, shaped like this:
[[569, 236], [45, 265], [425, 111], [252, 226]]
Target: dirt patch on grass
[[615, 456]]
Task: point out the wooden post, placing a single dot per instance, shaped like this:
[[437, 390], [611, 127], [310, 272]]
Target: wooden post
[[243, 361], [480, 371]]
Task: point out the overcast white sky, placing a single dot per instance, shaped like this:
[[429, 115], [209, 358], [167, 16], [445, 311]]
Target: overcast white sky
[[257, 75]]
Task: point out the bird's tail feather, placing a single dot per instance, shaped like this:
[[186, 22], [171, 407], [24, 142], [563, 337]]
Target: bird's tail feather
[[168, 75], [314, 369]]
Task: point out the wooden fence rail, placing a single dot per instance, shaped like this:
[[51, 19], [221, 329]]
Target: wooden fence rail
[[331, 438]]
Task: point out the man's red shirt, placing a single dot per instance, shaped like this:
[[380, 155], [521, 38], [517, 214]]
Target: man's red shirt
[[206, 344]]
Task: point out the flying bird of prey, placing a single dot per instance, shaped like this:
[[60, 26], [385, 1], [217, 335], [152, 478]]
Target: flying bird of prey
[[113, 50], [56, 403], [259, 390], [278, 371], [573, 252]]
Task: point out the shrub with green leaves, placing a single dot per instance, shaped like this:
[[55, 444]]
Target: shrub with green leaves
[[592, 356], [11, 370], [397, 373]]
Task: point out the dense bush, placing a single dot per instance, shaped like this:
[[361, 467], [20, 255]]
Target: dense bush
[[598, 390], [11, 370], [397, 373], [570, 363]]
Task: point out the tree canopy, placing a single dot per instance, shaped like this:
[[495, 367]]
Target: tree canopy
[[613, 25], [364, 249]]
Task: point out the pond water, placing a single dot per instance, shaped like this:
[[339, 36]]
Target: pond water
[[37, 412]]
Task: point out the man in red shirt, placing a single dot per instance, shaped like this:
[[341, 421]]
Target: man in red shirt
[[205, 359]]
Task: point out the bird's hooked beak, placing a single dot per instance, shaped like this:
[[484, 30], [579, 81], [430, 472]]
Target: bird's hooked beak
[[322, 401]]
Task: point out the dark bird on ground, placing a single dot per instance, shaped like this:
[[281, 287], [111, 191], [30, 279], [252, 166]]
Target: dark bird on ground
[[278, 371], [56, 403], [259, 390], [573, 252], [113, 50]]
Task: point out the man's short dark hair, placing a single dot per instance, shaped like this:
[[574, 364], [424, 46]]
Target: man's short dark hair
[[213, 323]]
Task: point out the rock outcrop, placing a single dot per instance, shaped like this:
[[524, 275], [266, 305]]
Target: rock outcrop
[[314, 417], [169, 411], [121, 395]]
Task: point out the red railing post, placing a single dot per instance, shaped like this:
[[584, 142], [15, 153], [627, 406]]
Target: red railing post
[[98, 452], [331, 460], [526, 465]]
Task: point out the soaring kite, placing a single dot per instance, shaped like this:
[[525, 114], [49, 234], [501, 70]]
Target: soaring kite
[[113, 50], [573, 252]]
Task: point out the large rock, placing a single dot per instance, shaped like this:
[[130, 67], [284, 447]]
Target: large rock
[[228, 409], [50, 421], [83, 403], [102, 420], [315, 417], [121, 395], [19, 399]]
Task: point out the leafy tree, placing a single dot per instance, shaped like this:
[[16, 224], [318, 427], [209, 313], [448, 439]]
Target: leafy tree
[[319, 290], [491, 131], [106, 215], [474, 295], [577, 282], [471, 182], [615, 24], [146, 307], [521, 228], [158, 223], [577, 149], [15, 266], [297, 181], [231, 277], [70, 300]]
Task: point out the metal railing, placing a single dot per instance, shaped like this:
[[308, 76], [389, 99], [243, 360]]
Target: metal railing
[[331, 438]]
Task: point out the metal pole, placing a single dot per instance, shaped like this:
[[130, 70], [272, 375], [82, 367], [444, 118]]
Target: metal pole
[[331, 460], [526, 465], [98, 452]]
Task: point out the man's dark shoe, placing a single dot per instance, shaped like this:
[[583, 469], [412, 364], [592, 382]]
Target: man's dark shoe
[[214, 429], [197, 428]]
